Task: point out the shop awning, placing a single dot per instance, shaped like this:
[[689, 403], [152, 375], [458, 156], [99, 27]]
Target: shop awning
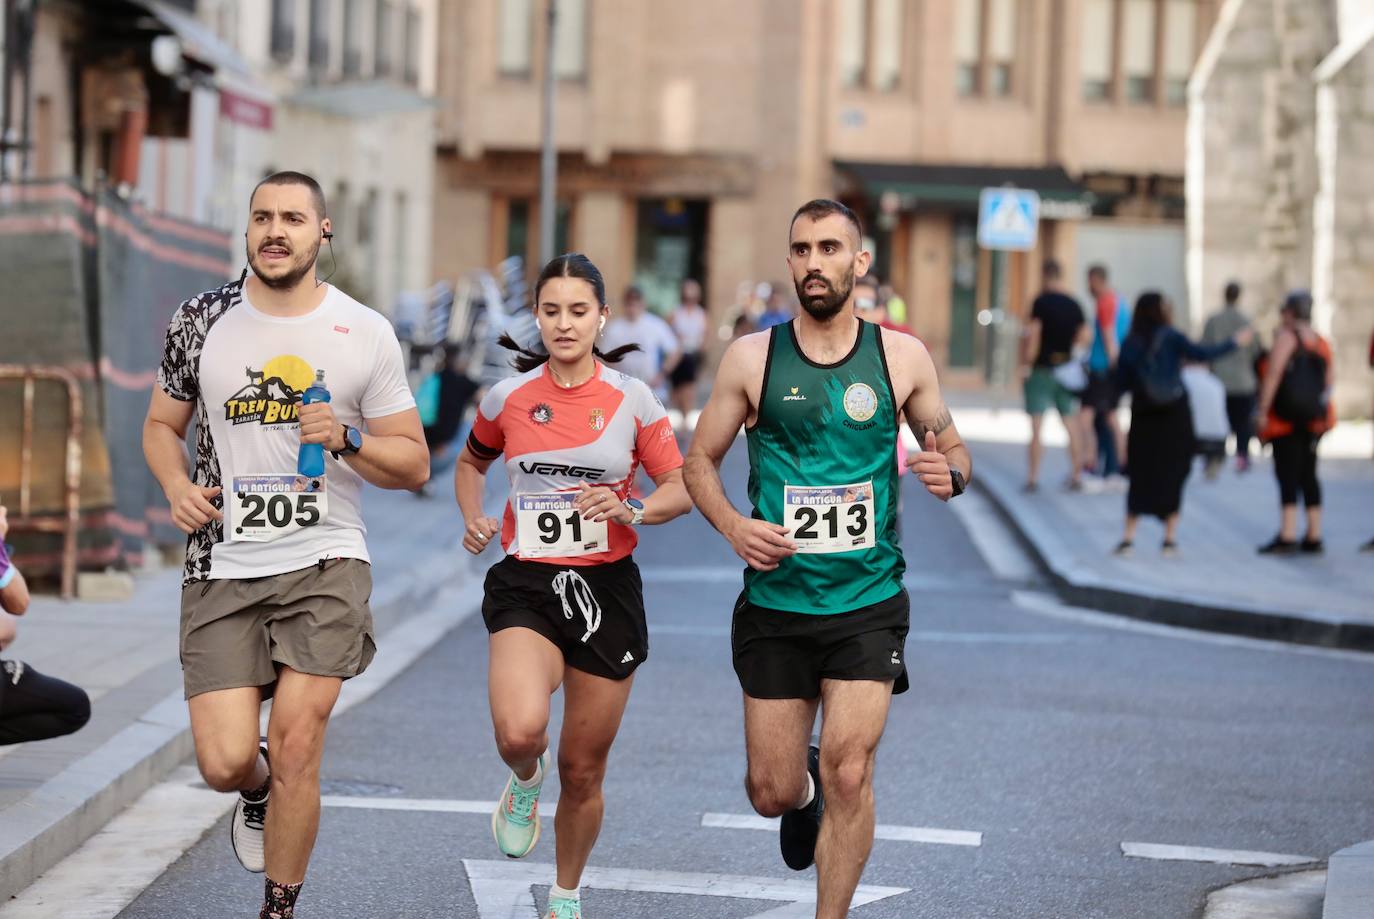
[[361, 100], [926, 183], [243, 98]]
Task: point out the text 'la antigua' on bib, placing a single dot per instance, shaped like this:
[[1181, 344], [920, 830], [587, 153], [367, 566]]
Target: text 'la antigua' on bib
[[267, 507], [550, 526], [829, 518]]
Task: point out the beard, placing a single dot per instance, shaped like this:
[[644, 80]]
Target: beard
[[826, 306], [295, 272]]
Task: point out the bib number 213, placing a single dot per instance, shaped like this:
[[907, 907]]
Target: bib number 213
[[831, 518]]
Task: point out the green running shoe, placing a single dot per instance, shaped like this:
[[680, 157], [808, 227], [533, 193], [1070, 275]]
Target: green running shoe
[[515, 822], [563, 908]]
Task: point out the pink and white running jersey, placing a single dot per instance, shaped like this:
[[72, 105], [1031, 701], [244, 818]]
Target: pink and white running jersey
[[555, 439]]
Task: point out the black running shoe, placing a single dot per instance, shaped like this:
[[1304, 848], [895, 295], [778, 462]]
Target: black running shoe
[[801, 827]]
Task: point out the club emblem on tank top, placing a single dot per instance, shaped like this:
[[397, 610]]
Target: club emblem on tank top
[[860, 404], [542, 413], [597, 419]]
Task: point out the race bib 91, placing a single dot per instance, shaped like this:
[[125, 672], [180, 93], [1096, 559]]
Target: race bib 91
[[549, 526], [829, 518], [267, 507]]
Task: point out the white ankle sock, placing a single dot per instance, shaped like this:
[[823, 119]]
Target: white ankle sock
[[535, 779], [810, 791], [556, 892]]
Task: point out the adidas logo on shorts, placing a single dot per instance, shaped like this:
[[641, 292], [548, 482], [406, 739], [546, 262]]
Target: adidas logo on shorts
[[628, 658]]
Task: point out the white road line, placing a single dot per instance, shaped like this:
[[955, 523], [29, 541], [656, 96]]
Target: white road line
[[1212, 856], [933, 637], [881, 831], [427, 805], [502, 890], [1045, 605]]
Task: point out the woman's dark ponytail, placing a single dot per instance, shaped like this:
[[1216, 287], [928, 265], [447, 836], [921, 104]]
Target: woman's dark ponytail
[[570, 265]]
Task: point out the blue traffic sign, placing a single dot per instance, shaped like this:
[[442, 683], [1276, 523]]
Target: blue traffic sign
[[1008, 218]]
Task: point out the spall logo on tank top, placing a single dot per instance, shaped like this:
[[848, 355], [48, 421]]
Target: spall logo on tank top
[[272, 393]]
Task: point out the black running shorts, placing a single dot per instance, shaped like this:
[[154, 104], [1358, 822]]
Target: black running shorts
[[782, 655], [593, 613]]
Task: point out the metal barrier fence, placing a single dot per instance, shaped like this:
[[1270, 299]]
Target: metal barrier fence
[[68, 522]]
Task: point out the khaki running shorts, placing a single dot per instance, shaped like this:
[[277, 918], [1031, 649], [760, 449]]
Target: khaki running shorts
[[241, 632]]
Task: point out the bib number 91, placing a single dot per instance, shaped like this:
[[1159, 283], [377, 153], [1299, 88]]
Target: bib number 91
[[549, 526]]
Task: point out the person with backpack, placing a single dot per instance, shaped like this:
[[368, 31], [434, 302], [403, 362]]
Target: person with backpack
[[1161, 442], [1295, 409]]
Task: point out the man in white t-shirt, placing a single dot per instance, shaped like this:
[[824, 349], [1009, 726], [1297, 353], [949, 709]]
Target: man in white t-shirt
[[274, 597], [658, 351]]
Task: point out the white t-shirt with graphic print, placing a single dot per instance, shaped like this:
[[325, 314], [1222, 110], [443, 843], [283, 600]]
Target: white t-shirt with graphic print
[[246, 370]]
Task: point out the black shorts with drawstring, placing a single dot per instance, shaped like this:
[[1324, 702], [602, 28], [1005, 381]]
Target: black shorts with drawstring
[[594, 614]]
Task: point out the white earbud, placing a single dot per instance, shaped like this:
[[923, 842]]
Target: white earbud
[[603, 323]]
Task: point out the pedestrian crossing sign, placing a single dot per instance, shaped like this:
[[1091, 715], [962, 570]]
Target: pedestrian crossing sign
[[1008, 218]]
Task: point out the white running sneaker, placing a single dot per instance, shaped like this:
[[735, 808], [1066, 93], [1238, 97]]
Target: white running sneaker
[[245, 832], [515, 822]]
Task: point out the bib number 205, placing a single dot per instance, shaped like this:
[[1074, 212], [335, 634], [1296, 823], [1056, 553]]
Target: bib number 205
[[548, 525], [830, 518], [267, 507]]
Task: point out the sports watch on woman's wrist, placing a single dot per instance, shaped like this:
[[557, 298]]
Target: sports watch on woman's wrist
[[636, 507]]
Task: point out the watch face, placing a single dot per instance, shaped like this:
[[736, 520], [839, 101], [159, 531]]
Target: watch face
[[635, 503], [354, 438]]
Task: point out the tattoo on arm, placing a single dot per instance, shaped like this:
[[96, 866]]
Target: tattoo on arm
[[937, 426]]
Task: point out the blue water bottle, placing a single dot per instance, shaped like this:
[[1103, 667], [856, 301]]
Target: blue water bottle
[[310, 461]]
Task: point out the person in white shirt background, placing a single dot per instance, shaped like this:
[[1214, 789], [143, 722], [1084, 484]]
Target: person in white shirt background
[[689, 324], [658, 352]]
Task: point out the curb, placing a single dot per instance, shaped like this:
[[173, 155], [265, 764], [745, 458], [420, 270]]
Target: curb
[[1350, 883], [1085, 588], [64, 812]]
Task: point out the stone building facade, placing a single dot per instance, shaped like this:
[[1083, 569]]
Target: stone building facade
[[688, 133], [1281, 129]]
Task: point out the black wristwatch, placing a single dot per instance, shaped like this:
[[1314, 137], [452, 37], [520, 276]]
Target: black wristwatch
[[353, 442], [956, 479]]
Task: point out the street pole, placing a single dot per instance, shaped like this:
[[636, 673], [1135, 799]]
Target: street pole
[[548, 166]]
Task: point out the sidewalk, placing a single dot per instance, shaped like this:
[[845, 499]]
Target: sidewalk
[[1218, 582], [56, 794]]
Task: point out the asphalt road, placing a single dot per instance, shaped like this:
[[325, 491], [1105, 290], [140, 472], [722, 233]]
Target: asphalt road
[[1055, 739]]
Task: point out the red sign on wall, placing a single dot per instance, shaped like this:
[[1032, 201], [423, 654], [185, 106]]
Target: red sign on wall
[[245, 111]]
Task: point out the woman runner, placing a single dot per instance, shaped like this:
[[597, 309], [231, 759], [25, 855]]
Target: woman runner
[[565, 606]]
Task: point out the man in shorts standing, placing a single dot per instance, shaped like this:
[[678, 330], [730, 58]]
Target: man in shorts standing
[[822, 621], [274, 598], [1055, 329]]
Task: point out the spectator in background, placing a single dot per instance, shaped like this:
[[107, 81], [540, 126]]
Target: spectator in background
[[869, 304], [32, 706], [1055, 328], [1236, 372], [1207, 404], [658, 352], [443, 401], [778, 310], [689, 322], [1104, 444], [894, 306], [1160, 445], [1296, 409]]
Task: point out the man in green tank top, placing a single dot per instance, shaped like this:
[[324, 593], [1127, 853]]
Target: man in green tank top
[[822, 621]]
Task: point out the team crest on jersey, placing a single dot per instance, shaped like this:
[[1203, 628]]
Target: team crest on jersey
[[860, 402], [597, 419], [541, 413], [272, 393]]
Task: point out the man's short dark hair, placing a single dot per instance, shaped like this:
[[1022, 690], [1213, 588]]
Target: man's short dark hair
[[1098, 271], [1051, 270], [633, 292], [1232, 292], [296, 178], [824, 207]]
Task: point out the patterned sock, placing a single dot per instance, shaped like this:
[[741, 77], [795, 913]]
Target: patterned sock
[[279, 902]]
